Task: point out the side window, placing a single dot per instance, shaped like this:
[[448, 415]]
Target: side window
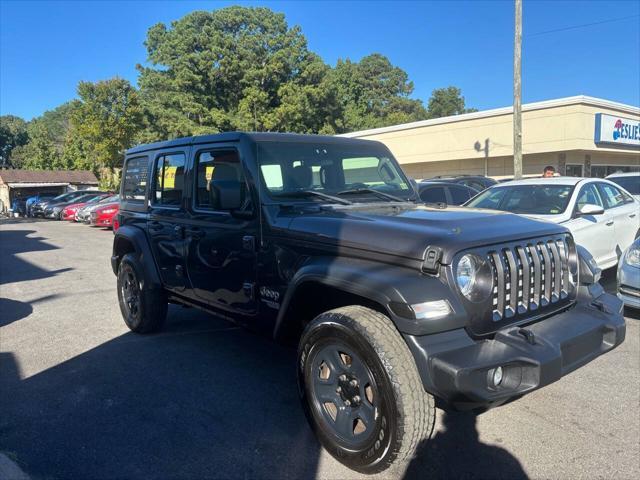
[[588, 194], [433, 195], [169, 180], [627, 198], [612, 196], [134, 179], [459, 195], [221, 165]]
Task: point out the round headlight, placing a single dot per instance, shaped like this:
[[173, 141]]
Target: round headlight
[[466, 274], [474, 278]]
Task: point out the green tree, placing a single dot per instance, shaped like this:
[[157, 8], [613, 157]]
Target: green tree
[[47, 137], [108, 118], [447, 101], [374, 93], [13, 133], [233, 68]]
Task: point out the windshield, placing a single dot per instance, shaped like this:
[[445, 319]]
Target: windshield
[[359, 172], [631, 183], [525, 199], [111, 199]]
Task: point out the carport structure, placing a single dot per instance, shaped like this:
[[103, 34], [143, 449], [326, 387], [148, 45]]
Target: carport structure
[[25, 183]]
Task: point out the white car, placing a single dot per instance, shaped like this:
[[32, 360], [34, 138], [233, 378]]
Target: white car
[[629, 181], [602, 216]]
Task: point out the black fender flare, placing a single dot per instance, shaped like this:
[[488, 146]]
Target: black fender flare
[[137, 238], [392, 287]]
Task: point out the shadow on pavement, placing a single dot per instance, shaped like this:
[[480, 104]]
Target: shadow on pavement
[[13, 310], [457, 452], [201, 399], [15, 269]]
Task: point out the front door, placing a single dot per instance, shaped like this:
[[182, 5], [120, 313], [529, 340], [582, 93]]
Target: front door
[[222, 245], [593, 232], [166, 222]]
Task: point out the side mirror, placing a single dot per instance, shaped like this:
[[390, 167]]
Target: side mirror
[[591, 209]]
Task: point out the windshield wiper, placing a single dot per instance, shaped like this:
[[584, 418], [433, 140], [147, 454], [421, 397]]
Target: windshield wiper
[[310, 193], [388, 196]]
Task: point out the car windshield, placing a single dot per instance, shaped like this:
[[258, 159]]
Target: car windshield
[[354, 172], [631, 183], [61, 197], [83, 198], [110, 199], [525, 199]]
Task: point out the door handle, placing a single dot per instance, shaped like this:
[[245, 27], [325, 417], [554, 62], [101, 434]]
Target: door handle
[[632, 215], [609, 223], [178, 231], [194, 232], [155, 226]]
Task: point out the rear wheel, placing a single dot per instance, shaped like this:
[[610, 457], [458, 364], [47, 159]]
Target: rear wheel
[[144, 310], [361, 390]]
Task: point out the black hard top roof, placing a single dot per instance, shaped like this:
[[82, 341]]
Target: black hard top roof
[[431, 183], [255, 136]]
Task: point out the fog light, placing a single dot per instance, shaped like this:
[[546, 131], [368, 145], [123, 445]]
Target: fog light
[[496, 378]]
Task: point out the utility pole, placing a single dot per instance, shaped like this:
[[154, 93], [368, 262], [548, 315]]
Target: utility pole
[[517, 93]]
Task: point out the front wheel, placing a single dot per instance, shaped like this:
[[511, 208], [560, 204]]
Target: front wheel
[[361, 390], [144, 309]]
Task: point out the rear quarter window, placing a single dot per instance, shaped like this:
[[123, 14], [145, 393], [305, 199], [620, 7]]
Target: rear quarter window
[[134, 179]]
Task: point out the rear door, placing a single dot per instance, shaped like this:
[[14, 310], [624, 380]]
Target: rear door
[[221, 258], [166, 221], [624, 213]]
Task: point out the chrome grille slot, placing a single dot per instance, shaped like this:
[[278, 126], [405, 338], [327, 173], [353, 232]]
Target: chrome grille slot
[[529, 276]]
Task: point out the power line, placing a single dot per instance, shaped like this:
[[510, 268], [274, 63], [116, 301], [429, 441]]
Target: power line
[[582, 26]]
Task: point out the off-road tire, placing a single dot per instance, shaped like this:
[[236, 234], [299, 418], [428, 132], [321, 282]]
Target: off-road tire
[[151, 311], [405, 413]]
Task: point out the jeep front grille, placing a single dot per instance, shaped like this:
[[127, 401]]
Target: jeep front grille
[[530, 275]]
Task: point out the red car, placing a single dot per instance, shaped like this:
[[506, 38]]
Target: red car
[[69, 212], [105, 216]]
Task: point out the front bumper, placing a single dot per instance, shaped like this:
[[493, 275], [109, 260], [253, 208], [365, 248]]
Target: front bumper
[[629, 284], [101, 221], [52, 214], [458, 369]]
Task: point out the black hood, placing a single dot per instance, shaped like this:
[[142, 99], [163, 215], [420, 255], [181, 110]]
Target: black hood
[[406, 230]]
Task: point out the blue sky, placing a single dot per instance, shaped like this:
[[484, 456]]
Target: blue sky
[[47, 47]]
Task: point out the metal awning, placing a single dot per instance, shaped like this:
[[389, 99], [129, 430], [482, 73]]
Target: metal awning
[[42, 184]]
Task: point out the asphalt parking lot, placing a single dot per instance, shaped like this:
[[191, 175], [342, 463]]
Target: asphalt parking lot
[[82, 397]]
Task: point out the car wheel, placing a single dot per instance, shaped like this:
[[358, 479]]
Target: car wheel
[[361, 390], [144, 310]]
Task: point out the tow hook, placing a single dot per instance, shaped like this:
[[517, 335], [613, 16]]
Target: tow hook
[[528, 335]]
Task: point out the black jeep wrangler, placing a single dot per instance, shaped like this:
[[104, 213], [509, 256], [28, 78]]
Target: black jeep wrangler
[[323, 241]]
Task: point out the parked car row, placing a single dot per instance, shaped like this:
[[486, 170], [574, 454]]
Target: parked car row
[[602, 216], [83, 206]]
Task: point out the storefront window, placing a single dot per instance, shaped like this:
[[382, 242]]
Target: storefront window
[[574, 171]]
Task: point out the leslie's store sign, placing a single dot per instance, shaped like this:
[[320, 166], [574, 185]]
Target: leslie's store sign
[[617, 130]]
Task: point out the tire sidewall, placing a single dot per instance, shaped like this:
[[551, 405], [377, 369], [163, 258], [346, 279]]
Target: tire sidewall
[[128, 262], [379, 450]]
